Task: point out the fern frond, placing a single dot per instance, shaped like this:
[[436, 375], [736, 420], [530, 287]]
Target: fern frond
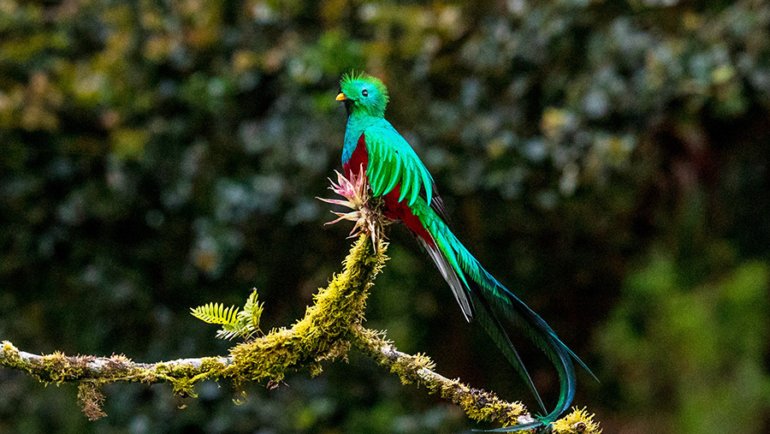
[[252, 310], [232, 333], [216, 313], [235, 322]]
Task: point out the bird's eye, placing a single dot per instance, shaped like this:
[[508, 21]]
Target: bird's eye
[[365, 92]]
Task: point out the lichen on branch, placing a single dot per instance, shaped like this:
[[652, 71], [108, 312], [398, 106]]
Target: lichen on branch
[[331, 326]]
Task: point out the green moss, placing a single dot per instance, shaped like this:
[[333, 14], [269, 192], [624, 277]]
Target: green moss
[[57, 368], [580, 421], [183, 387], [213, 365], [11, 356], [481, 405], [477, 404], [407, 368], [323, 333]]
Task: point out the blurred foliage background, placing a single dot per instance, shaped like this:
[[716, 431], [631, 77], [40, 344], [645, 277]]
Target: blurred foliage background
[[607, 159]]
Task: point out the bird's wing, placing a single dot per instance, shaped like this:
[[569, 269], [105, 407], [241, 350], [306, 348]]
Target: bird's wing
[[393, 162]]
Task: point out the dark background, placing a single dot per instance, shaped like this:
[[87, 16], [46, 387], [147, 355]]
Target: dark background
[[607, 160]]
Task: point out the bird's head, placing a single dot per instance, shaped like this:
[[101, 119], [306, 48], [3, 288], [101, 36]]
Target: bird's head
[[363, 93]]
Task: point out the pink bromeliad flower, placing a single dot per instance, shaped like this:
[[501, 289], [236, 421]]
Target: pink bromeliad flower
[[357, 196]]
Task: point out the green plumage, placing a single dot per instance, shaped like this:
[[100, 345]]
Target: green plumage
[[393, 162]]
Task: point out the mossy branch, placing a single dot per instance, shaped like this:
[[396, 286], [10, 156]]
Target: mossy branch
[[332, 325]]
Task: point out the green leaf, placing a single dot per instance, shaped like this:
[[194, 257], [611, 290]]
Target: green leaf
[[216, 313], [235, 322], [252, 310]]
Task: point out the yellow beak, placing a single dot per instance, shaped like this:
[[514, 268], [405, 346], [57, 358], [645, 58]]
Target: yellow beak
[[341, 97]]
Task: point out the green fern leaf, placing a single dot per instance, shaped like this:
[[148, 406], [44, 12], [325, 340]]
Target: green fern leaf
[[252, 310], [216, 313], [230, 334], [235, 322]]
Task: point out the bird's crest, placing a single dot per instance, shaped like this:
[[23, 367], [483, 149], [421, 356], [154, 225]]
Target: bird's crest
[[365, 92]]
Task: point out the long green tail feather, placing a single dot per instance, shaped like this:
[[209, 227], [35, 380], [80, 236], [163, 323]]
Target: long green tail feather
[[491, 324], [493, 305]]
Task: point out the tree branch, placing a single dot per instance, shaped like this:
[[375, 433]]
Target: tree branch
[[330, 327]]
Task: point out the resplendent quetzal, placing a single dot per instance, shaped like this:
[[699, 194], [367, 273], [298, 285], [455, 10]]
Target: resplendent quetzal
[[396, 174]]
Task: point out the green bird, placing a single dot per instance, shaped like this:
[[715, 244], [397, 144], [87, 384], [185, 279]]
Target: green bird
[[397, 175]]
